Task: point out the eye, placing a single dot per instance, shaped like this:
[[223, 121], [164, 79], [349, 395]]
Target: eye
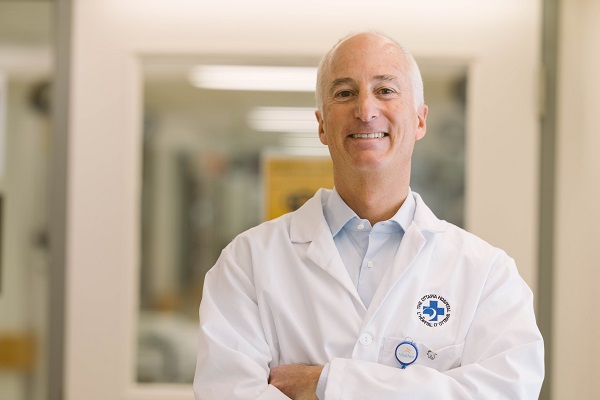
[[386, 90], [343, 94]]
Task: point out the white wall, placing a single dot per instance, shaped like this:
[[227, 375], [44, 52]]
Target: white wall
[[499, 39], [577, 269]]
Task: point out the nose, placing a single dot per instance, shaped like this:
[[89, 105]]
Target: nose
[[366, 107]]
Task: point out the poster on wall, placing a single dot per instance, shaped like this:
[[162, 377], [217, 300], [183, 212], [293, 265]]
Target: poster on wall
[[288, 181]]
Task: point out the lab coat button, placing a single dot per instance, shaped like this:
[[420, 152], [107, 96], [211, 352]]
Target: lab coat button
[[366, 339], [370, 264]]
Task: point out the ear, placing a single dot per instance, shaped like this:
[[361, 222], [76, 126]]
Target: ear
[[322, 135], [422, 123]]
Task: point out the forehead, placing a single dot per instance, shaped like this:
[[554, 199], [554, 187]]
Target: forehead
[[366, 56]]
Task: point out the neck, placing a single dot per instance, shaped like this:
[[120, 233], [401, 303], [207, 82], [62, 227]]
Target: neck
[[372, 197]]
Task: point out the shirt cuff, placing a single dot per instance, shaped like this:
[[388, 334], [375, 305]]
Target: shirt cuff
[[322, 382]]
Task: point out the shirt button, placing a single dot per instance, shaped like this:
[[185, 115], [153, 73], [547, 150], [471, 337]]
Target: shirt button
[[370, 264], [361, 226], [366, 339]]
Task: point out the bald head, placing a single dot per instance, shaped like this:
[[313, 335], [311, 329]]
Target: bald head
[[353, 43]]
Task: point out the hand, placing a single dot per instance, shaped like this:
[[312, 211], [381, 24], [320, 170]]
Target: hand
[[296, 381]]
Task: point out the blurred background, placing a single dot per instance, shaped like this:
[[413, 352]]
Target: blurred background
[[138, 138]]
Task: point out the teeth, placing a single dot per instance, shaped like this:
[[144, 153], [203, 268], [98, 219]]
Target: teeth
[[368, 135]]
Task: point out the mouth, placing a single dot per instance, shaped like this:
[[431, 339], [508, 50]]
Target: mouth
[[377, 135]]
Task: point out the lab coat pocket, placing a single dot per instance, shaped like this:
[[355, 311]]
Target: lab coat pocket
[[442, 359]]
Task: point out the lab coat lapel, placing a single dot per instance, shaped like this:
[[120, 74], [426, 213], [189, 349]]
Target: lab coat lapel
[[322, 251], [308, 225], [423, 228], [410, 247]]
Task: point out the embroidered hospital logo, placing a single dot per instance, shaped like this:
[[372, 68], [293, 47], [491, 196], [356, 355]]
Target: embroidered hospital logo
[[433, 310]]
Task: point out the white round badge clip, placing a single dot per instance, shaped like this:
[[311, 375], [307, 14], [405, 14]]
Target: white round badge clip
[[406, 353]]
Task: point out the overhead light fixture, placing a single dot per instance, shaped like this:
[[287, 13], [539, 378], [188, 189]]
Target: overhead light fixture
[[283, 119], [259, 78]]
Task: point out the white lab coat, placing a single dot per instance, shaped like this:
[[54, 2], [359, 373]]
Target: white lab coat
[[280, 294]]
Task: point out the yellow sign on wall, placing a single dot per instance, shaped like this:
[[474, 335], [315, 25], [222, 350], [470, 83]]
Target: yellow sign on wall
[[289, 181]]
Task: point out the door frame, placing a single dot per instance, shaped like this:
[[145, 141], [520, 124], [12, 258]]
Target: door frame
[[103, 150]]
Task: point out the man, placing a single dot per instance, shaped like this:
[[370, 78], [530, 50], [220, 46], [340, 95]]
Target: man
[[363, 293]]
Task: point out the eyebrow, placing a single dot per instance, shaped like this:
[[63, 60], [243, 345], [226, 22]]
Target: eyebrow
[[340, 82], [344, 81], [385, 78]]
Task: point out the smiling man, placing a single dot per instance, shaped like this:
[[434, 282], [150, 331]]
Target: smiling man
[[370, 119], [363, 293]]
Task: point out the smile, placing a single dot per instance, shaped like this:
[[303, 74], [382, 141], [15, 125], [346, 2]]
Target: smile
[[368, 135]]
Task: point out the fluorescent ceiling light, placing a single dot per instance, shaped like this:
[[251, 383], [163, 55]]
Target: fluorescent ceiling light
[[260, 78], [283, 119]]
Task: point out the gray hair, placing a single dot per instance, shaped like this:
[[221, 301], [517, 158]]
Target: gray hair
[[414, 75]]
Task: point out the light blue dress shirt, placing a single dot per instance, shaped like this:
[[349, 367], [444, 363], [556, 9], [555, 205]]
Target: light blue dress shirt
[[366, 251]]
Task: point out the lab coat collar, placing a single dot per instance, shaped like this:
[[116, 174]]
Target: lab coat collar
[[425, 219], [308, 222], [308, 225], [338, 214]]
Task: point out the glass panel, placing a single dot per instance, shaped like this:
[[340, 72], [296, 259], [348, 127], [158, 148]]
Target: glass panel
[[214, 161], [438, 170]]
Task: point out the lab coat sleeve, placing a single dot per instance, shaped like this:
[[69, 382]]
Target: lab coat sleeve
[[502, 357], [233, 356]]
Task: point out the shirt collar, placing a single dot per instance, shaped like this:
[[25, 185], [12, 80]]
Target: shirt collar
[[338, 214], [406, 214]]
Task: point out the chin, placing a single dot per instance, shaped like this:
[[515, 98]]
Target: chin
[[368, 165]]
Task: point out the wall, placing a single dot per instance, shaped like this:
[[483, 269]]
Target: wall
[[577, 265]]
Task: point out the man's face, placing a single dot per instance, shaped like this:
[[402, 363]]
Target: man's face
[[368, 120]]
